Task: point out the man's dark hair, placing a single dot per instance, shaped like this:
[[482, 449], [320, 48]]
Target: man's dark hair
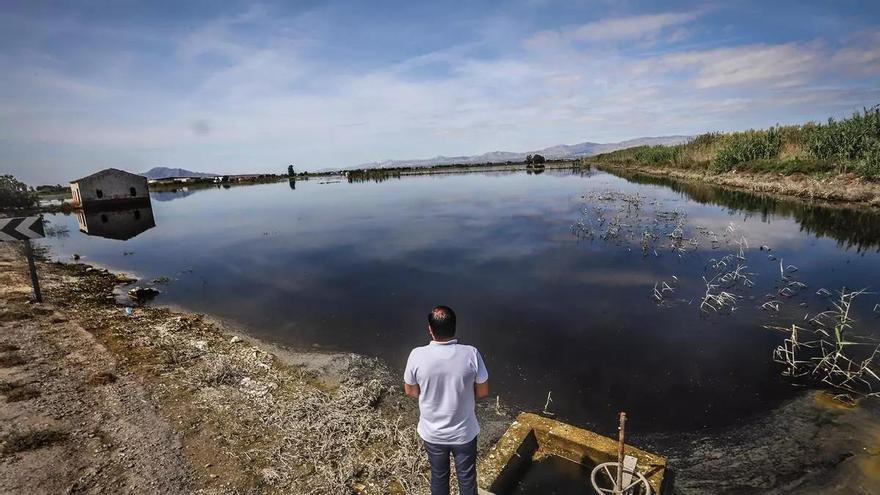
[[441, 319]]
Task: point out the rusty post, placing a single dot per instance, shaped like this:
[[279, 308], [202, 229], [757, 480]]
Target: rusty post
[[618, 486], [32, 266]]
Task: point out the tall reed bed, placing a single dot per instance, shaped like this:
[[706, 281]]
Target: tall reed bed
[[849, 145]]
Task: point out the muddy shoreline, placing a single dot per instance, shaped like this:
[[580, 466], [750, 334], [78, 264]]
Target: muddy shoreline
[[841, 190]]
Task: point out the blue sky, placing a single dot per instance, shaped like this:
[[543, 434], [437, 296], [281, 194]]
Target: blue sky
[[237, 87]]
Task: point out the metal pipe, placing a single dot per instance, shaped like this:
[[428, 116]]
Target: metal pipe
[[618, 485]]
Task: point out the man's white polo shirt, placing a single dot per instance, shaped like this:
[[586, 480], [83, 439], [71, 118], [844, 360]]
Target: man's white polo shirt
[[446, 373]]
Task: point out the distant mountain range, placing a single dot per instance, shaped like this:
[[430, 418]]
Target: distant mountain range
[[559, 152], [165, 172], [562, 151]]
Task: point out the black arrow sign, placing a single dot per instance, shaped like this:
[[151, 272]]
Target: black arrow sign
[[21, 229]]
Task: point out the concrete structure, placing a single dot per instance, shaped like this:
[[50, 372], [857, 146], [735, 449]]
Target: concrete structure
[[110, 187], [532, 437]]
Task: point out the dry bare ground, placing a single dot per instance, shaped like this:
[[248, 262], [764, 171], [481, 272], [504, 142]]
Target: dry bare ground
[[158, 401], [72, 421]]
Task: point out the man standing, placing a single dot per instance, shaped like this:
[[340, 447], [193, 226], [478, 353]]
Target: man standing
[[447, 378]]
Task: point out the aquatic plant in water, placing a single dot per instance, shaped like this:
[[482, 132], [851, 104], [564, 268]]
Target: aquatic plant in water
[[822, 351], [830, 354]]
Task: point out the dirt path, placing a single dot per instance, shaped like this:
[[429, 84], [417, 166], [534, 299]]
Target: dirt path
[[70, 420]]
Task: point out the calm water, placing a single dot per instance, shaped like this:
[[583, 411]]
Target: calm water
[[552, 301], [555, 476]]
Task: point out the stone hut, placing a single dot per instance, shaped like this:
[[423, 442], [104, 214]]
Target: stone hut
[[110, 188]]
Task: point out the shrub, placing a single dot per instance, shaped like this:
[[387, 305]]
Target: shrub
[[746, 147], [870, 166], [656, 154], [538, 159], [851, 144], [706, 140], [15, 194], [851, 140]]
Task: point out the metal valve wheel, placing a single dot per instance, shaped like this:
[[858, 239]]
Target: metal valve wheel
[[604, 478]]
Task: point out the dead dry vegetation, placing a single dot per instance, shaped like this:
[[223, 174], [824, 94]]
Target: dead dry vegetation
[[240, 417], [285, 425]]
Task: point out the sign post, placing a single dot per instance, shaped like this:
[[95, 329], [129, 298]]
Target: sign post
[[25, 229]]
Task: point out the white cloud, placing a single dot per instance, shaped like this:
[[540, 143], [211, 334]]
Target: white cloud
[[858, 59], [788, 64], [640, 28], [631, 28]]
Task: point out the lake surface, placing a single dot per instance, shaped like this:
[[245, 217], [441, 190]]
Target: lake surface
[[552, 277]]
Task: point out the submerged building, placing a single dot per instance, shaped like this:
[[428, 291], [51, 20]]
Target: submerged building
[[110, 188], [113, 204]]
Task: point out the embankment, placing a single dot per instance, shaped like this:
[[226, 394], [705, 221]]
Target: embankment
[[843, 188]]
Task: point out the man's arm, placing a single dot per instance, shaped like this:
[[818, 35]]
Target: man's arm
[[481, 384], [481, 390], [410, 382], [412, 390]]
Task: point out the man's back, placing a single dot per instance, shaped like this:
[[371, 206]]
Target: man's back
[[446, 373], [448, 378]]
